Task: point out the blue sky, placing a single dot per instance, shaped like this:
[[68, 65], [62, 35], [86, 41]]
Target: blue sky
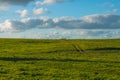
[[56, 19]]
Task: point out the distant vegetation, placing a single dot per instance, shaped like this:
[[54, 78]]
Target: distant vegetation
[[29, 59]]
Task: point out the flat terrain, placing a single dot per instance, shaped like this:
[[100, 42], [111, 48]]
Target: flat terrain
[[32, 59]]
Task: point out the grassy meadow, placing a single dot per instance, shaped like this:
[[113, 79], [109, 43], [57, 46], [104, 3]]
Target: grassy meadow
[[34, 59]]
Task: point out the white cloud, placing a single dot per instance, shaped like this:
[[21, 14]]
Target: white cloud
[[49, 2], [6, 26], [64, 18], [104, 21], [39, 11], [77, 34], [109, 4], [113, 11], [22, 13], [66, 33]]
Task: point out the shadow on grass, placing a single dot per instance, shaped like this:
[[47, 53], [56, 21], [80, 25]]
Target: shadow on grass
[[15, 59], [107, 48], [61, 51]]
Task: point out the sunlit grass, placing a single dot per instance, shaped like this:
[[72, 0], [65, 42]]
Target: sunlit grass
[[29, 59]]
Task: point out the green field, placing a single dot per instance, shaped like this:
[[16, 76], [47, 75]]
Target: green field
[[33, 59]]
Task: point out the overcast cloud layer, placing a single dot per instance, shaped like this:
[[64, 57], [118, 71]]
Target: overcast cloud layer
[[15, 2], [104, 21], [4, 4]]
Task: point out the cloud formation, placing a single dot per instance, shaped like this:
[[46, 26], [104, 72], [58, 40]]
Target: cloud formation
[[4, 4], [50, 2], [76, 34], [104, 21], [39, 11], [113, 11], [109, 4], [22, 13]]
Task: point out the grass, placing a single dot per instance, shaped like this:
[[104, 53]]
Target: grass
[[33, 59]]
